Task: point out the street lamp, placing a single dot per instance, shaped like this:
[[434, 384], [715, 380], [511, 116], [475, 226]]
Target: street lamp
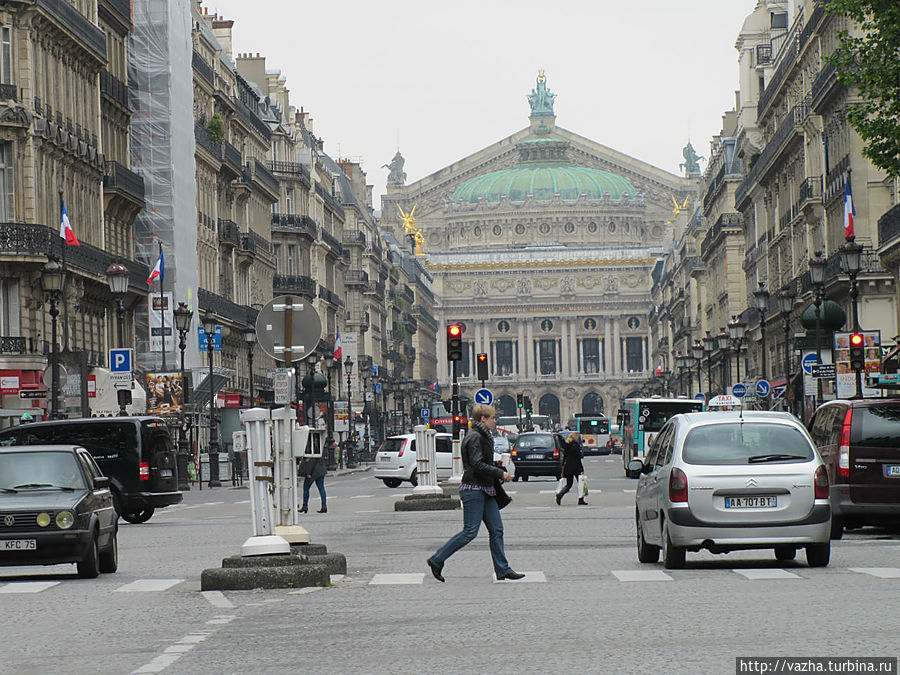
[[736, 328], [328, 362], [697, 354], [52, 279], [209, 328], [709, 344], [761, 296], [183, 317], [351, 459], [786, 299], [817, 279], [722, 346], [117, 278], [851, 259], [250, 339], [679, 365]]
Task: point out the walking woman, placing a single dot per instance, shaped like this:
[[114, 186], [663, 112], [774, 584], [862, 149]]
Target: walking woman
[[313, 471], [478, 492], [572, 466]]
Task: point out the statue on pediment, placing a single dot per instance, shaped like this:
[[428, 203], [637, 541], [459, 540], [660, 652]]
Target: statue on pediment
[[541, 98], [690, 163]]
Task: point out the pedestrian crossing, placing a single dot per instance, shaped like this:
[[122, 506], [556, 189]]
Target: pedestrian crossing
[[137, 586]]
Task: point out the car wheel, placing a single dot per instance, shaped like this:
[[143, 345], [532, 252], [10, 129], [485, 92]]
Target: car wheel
[[837, 527], [673, 556], [414, 479], [392, 482], [117, 503], [525, 477], [89, 566], [818, 555], [109, 559], [785, 553], [137, 517], [515, 478], [647, 553]]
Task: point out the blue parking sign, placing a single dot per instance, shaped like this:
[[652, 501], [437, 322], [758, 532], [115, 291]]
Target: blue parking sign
[[120, 360]]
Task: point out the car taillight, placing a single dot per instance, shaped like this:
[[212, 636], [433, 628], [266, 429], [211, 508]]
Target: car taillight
[[821, 483], [677, 486], [555, 453], [844, 449], [514, 454], [144, 471]]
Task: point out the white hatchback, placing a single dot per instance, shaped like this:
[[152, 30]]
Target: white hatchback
[[395, 461]]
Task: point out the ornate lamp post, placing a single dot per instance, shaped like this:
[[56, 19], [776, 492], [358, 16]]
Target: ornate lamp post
[[722, 345], [761, 295], [209, 328], [786, 302], [365, 372], [250, 339], [183, 317], [52, 279], [709, 345], [736, 328], [328, 362], [117, 278], [351, 443], [697, 354], [817, 279], [679, 365], [851, 261]]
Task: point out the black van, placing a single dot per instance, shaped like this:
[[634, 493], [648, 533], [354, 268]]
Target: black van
[[135, 452]]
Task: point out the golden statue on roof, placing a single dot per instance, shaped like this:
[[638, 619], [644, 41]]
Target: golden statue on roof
[[408, 221], [678, 208]]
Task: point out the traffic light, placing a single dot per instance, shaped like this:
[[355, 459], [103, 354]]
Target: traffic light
[[857, 351], [519, 401], [454, 342], [482, 367], [527, 402]]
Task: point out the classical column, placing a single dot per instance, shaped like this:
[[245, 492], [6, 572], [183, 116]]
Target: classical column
[[442, 368], [644, 354], [529, 349], [607, 348], [617, 349], [573, 347], [521, 368], [564, 367]]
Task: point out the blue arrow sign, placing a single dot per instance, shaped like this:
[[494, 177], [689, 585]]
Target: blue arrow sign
[[808, 361], [739, 390], [484, 396], [778, 392], [763, 388]]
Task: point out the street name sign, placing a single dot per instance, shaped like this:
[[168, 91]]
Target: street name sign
[[824, 371]]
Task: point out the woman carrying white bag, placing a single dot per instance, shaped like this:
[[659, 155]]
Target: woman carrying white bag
[[572, 468]]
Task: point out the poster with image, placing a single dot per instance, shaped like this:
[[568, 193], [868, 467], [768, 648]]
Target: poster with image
[[846, 376], [164, 393]]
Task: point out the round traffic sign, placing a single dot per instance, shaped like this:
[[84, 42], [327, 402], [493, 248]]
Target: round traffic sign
[[808, 362], [739, 390], [484, 396], [305, 328], [763, 388]]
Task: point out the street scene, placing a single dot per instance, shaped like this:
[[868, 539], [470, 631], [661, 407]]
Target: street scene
[[367, 338]]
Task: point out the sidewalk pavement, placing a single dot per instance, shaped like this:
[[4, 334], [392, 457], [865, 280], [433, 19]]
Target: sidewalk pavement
[[359, 469]]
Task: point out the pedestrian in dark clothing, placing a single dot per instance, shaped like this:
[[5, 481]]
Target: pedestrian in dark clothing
[[572, 466], [313, 471], [478, 491]]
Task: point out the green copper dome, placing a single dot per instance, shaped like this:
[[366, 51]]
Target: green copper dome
[[543, 181]]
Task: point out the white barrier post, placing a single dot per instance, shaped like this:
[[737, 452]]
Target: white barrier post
[[457, 470], [426, 464], [264, 541], [287, 522]]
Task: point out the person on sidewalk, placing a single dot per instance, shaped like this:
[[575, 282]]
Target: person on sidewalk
[[572, 467], [478, 492], [313, 471]]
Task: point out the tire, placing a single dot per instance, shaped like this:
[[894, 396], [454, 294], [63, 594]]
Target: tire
[[818, 555], [89, 566], [785, 553], [138, 517], [392, 482], [117, 503], [525, 477], [109, 559], [837, 527], [515, 479], [673, 556], [414, 479], [647, 553]]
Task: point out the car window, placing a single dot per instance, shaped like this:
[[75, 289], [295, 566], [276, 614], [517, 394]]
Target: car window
[[89, 465], [820, 429], [741, 442], [665, 453], [535, 441], [40, 469], [443, 445], [392, 445], [876, 426], [650, 458]]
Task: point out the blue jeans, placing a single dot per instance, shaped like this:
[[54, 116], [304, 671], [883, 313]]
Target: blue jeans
[[320, 483], [477, 507]]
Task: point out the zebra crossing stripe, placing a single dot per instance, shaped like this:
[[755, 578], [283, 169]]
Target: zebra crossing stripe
[[394, 579], [27, 586], [641, 575], [767, 574], [148, 585], [880, 572]]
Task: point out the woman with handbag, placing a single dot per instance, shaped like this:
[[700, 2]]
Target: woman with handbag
[[572, 467], [482, 495]]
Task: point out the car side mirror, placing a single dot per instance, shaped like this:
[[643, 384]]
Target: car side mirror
[[101, 482], [635, 466]]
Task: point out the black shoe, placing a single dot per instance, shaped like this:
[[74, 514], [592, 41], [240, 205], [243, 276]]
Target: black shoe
[[322, 510], [559, 499], [302, 509], [436, 569], [581, 502], [512, 576]]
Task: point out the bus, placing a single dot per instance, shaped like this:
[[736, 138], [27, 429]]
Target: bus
[[642, 418], [441, 420], [594, 431]]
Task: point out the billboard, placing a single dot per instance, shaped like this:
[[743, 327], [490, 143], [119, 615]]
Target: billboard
[[164, 393], [846, 376], [159, 304]]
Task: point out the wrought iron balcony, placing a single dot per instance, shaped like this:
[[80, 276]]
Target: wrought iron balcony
[[203, 68], [889, 226], [811, 190], [91, 37], [205, 140], [256, 171], [423, 313], [354, 238], [229, 232], [329, 200], [290, 221], [9, 92], [824, 80], [356, 278], [232, 156], [251, 118], [13, 345], [239, 314], [290, 169], [788, 60], [120, 177], [332, 242], [114, 88], [330, 296], [301, 285]]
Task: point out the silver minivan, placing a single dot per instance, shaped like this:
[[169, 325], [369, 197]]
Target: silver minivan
[[728, 481]]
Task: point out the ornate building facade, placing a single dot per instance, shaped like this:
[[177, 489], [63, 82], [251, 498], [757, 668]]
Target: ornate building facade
[[542, 245]]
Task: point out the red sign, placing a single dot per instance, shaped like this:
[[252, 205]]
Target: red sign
[[10, 381], [92, 386], [232, 400]]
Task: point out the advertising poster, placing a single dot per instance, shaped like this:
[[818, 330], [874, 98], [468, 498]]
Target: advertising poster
[[157, 305], [164, 393], [340, 416], [350, 347], [846, 377]]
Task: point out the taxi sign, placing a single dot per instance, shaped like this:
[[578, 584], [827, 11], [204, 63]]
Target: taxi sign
[[723, 401]]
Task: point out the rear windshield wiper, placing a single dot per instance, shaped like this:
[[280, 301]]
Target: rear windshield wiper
[[774, 458]]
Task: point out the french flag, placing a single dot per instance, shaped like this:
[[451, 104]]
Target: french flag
[[338, 352], [158, 271], [434, 386], [65, 228], [849, 211]]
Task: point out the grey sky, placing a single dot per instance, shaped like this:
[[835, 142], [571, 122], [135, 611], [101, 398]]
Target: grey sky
[[449, 78]]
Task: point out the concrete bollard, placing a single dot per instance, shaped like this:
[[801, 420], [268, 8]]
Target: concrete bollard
[[426, 462]]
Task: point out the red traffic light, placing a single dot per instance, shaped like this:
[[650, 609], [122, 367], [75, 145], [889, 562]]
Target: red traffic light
[[482, 357], [856, 340], [455, 330]]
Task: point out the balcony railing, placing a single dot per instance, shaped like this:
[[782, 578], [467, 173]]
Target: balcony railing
[[811, 190], [114, 88], [257, 171], [231, 155], [332, 242], [304, 224], [889, 226], [302, 285], [356, 278], [119, 177], [726, 220], [354, 238], [229, 232], [329, 200], [240, 314], [12, 345], [252, 119], [255, 243], [75, 22], [205, 140], [763, 54], [203, 68], [785, 129], [290, 169], [423, 313], [826, 77], [788, 59], [330, 296], [814, 20]]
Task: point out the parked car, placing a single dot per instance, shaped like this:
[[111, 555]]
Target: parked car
[[727, 481], [136, 453], [56, 507], [859, 441], [395, 461], [537, 453]]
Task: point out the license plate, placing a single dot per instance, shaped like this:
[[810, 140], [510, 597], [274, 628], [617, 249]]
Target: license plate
[[18, 544], [892, 470], [384, 459], [535, 457], [165, 473], [750, 502]]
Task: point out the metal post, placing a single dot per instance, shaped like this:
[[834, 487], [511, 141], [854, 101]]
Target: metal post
[[787, 362], [351, 463], [120, 313], [183, 451], [854, 295], [54, 357], [457, 470], [250, 365], [264, 540], [818, 306], [213, 448]]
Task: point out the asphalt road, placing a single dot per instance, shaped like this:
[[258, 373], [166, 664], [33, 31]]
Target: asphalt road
[[586, 605]]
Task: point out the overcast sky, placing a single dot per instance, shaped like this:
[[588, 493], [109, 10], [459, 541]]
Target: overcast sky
[[447, 79]]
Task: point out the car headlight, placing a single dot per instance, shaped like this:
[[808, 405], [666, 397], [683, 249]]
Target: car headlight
[[43, 519], [65, 520]]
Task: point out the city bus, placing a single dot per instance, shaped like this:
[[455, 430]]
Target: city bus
[[642, 418], [594, 431], [441, 420]]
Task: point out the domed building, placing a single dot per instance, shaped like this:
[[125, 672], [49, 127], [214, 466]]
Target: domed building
[[542, 245]]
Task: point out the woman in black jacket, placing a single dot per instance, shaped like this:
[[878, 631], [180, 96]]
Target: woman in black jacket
[[478, 492], [572, 466]]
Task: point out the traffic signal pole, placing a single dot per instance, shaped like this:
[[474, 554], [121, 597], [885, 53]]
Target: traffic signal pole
[[457, 468]]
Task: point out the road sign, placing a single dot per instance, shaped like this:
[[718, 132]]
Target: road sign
[[378, 387], [426, 413], [374, 371], [739, 390], [282, 386], [121, 380], [305, 328], [120, 360], [484, 396], [778, 392], [809, 362], [33, 393], [749, 398], [217, 339], [699, 397], [763, 388], [824, 371]]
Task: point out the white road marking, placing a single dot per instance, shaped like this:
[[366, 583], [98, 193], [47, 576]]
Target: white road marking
[[641, 575], [629, 490], [532, 577], [368, 511], [609, 461], [148, 585], [27, 586], [335, 578], [158, 664], [308, 589], [767, 574], [548, 492], [362, 496], [880, 572], [222, 619], [245, 501], [391, 579], [217, 598]]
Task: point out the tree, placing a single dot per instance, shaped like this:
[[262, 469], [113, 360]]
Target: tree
[[871, 63], [216, 128]]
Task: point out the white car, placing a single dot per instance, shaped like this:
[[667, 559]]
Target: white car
[[396, 459]]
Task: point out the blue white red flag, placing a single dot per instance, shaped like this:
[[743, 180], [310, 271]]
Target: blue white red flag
[[338, 352], [849, 211], [65, 228], [158, 271]]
